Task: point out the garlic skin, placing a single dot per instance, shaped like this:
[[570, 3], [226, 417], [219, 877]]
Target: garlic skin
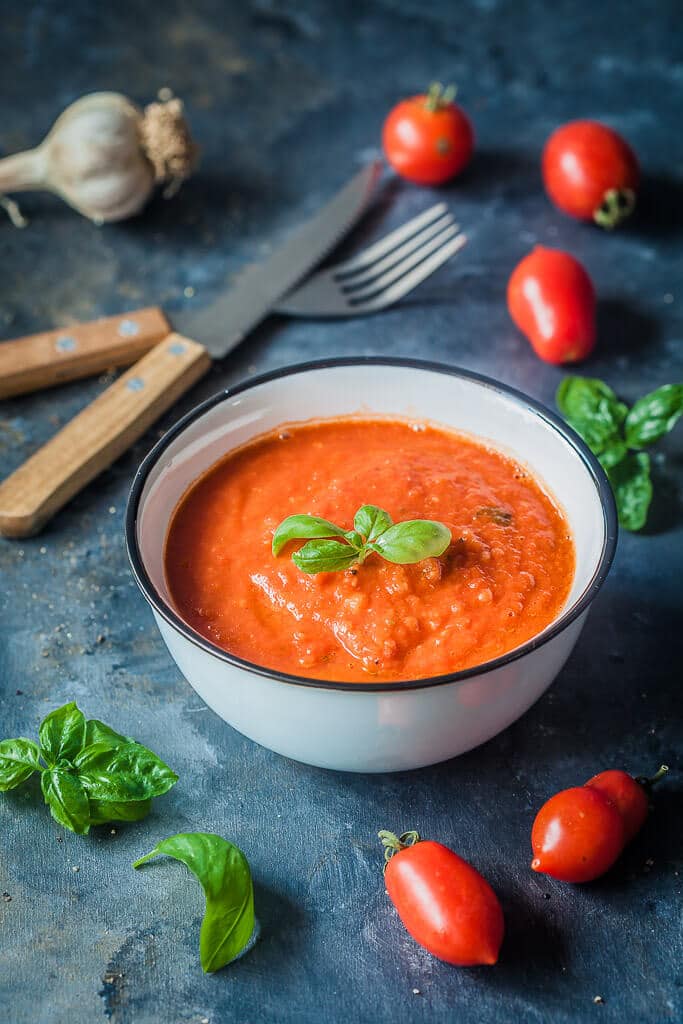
[[95, 156]]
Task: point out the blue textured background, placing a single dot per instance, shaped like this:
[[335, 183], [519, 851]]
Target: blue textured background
[[287, 99]]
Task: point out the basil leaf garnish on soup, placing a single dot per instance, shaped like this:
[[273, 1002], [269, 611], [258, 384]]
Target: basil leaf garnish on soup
[[301, 527], [374, 532], [412, 541], [369, 521], [325, 556]]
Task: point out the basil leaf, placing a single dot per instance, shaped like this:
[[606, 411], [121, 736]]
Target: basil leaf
[[630, 480], [62, 733], [67, 800], [412, 541], [103, 811], [98, 732], [370, 521], [354, 539], [592, 409], [19, 759], [223, 872], [613, 454], [300, 527], [324, 556], [128, 772], [654, 415]]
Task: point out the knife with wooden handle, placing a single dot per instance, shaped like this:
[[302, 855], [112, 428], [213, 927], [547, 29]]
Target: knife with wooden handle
[[121, 414], [82, 350]]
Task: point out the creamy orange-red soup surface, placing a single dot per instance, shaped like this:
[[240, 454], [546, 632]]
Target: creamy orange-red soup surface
[[505, 576]]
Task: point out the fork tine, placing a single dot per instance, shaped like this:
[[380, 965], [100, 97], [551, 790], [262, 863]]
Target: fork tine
[[368, 274], [370, 286], [386, 244], [410, 281]]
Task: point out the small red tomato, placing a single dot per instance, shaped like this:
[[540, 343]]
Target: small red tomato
[[428, 139], [591, 173], [552, 300], [577, 835], [443, 902], [629, 796]]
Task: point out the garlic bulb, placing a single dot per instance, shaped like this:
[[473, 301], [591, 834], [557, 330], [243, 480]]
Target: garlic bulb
[[104, 156]]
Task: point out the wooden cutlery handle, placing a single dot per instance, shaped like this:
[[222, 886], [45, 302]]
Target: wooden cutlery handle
[[99, 434], [81, 350]]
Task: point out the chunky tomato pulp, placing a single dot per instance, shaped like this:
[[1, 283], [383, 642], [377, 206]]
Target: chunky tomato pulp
[[505, 576]]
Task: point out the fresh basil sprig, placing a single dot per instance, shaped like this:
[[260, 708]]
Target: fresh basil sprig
[[89, 774], [223, 872], [616, 434], [334, 549]]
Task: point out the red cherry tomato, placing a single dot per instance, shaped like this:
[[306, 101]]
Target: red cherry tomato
[[591, 173], [577, 835], [428, 139], [552, 300], [443, 902], [629, 796]]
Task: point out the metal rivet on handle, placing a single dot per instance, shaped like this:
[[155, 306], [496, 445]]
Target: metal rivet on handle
[[128, 328], [177, 348], [135, 384], [65, 343]]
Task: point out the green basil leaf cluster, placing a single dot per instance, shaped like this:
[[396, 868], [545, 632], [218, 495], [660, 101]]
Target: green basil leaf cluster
[[616, 434], [90, 774], [223, 872], [331, 549]]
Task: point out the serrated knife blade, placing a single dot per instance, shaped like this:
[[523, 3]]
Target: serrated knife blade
[[222, 324]]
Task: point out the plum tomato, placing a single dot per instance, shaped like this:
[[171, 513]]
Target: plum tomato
[[551, 299], [577, 835], [629, 796], [591, 173], [443, 902], [428, 138]]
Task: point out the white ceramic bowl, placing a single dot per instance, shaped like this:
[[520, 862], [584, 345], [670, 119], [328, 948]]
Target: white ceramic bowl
[[373, 727]]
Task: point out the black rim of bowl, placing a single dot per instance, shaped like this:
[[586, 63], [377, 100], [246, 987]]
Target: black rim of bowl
[[583, 601]]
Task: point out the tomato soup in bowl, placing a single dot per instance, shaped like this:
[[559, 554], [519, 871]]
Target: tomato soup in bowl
[[503, 578], [382, 662]]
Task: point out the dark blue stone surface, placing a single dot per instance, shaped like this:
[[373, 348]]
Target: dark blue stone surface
[[287, 99]]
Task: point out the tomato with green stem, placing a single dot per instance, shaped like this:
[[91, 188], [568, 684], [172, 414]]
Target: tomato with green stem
[[590, 172], [580, 832], [428, 138], [443, 902]]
